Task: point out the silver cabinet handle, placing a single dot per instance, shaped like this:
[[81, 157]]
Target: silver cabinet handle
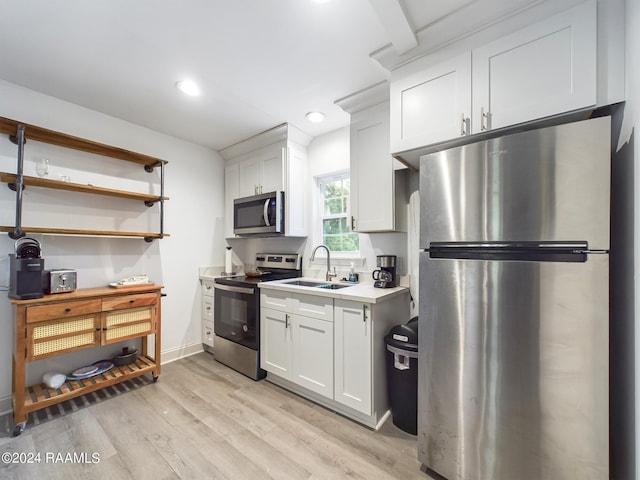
[[364, 313], [465, 125], [485, 119], [286, 320]]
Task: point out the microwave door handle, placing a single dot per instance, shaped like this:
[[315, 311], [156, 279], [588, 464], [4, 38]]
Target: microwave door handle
[[265, 212]]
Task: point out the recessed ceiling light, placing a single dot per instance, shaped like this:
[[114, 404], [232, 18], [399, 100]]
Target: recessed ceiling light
[[188, 88], [315, 117]]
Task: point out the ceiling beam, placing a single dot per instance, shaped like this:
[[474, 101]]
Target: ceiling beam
[[395, 22]]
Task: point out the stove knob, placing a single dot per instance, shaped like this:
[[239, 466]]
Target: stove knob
[[245, 328]]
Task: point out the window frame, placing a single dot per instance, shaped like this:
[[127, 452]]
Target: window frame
[[341, 257]]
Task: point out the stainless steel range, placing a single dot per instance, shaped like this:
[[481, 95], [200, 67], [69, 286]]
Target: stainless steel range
[[237, 311]]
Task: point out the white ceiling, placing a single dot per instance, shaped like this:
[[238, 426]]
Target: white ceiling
[[259, 63]]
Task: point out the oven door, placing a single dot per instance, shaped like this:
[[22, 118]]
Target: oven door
[[236, 314]]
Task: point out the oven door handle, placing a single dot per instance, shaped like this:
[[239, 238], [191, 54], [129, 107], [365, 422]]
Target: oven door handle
[[228, 288], [265, 212]]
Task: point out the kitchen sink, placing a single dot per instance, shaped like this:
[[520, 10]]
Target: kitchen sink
[[304, 283], [332, 286], [309, 283]]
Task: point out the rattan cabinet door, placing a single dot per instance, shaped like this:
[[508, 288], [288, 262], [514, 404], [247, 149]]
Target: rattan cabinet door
[[53, 337], [118, 325]]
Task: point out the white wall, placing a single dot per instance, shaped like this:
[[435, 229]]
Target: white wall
[[193, 218]]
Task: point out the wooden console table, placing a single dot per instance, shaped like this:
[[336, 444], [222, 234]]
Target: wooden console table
[[86, 318]]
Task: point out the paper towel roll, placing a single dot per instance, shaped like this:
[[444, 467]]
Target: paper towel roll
[[228, 265]]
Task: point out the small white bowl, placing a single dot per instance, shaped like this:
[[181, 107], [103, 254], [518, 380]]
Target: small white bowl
[[53, 379]]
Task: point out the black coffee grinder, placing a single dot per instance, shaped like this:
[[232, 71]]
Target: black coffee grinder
[[25, 270], [385, 275]]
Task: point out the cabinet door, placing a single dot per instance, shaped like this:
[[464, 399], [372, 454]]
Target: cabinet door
[[276, 342], [118, 325], [263, 172], [353, 365], [296, 189], [272, 169], [53, 337], [249, 178], [545, 69], [372, 197], [430, 105], [313, 354]]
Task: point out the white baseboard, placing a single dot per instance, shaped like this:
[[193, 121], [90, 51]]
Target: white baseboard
[[182, 351]]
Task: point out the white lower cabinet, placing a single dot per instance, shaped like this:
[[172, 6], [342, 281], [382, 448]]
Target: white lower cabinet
[[334, 354], [353, 366], [207, 313], [276, 339], [312, 353], [296, 347]]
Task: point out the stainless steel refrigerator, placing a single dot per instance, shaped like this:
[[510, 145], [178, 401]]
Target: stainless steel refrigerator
[[514, 306]]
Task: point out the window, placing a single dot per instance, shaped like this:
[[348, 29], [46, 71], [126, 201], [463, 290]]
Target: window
[[334, 214]]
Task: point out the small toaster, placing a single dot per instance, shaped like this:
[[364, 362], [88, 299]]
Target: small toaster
[[59, 280]]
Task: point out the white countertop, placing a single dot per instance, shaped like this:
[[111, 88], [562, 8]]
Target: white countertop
[[360, 292], [210, 273]]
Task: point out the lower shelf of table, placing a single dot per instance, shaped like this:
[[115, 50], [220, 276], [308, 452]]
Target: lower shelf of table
[[40, 396]]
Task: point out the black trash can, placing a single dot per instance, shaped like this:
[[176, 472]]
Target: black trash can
[[402, 375]]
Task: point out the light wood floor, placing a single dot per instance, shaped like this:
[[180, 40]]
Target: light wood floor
[[202, 420]]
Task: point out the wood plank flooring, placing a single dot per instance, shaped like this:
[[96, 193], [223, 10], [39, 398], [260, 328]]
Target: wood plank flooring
[[202, 420]]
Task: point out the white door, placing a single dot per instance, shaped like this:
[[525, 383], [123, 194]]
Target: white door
[[353, 367], [372, 178], [545, 69], [430, 105], [276, 342], [313, 354]]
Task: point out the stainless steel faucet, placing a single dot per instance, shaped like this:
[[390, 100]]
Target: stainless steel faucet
[[330, 274]]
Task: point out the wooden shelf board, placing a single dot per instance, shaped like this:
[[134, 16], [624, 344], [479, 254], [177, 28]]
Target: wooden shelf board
[[40, 396], [78, 187], [40, 134], [68, 231]]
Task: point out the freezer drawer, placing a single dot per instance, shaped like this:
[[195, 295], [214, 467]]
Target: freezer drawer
[[514, 369], [551, 184]]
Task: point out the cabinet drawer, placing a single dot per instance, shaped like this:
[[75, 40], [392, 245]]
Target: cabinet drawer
[[45, 339], [207, 288], [129, 301], [38, 313], [314, 306], [276, 300], [207, 308], [131, 323]]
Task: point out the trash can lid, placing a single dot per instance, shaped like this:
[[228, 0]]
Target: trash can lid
[[404, 336]]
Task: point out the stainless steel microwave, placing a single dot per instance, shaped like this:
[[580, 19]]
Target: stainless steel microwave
[[259, 214]]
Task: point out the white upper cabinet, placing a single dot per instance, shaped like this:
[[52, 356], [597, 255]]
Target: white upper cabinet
[[432, 104], [275, 160], [538, 71], [542, 70], [378, 191], [262, 173]]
